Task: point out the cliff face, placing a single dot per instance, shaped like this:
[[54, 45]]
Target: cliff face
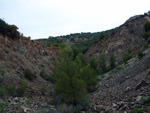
[[127, 36]]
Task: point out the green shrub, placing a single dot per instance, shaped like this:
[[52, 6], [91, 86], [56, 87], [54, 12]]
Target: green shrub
[[28, 102], [3, 91], [3, 108], [145, 44], [2, 73], [112, 61], [140, 54], [44, 75], [29, 74], [21, 75], [93, 63], [11, 90], [138, 110], [82, 106], [102, 63], [88, 75], [22, 88], [127, 57], [34, 54], [145, 35], [147, 26], [147, 100]]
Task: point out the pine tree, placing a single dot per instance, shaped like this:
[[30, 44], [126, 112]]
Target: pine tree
[[89, 76], [68, 83]]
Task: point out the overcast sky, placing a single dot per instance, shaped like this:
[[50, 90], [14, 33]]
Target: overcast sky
[[44, 18]]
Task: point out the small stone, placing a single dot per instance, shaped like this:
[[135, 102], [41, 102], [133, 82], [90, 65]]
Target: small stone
[[25, 109], [139, 99], [128, 89], [108, 108], [141, 84], [114, 105]]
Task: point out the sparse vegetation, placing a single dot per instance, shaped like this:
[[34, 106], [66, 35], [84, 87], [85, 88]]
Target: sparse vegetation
[[147, 100], [22, 89], [138, 110], [140, 54], [3, 91], [145, 44], [112, 61], [11, 90], [2, 73], [28, 102], [146, 35], [114, 71], [3, 108], [102, 63], [127, 57]]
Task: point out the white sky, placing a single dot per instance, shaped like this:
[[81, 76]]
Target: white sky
[[44, 18]]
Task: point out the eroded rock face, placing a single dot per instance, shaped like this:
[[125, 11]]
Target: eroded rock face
[[20, 54], [128, 36]]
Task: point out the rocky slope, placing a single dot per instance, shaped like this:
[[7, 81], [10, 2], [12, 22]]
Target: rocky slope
[[124, 89], [15, 57], [127, 36]]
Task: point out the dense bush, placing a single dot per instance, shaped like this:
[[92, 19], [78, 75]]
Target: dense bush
[[72, 76], [29, 74], [93, 63], [88, 75], [9, 30]]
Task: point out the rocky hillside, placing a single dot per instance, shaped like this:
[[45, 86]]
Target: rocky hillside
[[128, 37], [125, 89], [18, 59]]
